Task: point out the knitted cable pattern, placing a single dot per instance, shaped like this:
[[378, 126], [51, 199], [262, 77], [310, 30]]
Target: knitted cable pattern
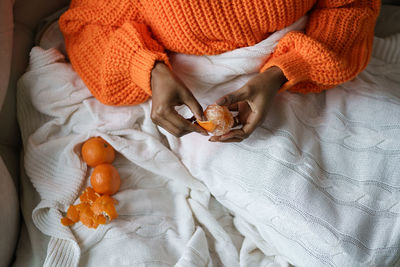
[[113, 44]]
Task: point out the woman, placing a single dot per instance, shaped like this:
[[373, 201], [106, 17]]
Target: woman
[[119, 47]]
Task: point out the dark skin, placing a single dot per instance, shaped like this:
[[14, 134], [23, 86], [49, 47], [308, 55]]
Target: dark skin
[[252, 101], [167, 93]]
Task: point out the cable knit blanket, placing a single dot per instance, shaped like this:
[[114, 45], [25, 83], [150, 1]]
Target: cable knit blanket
[[317, 184]]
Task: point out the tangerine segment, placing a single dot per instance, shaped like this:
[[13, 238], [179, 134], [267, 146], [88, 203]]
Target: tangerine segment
[[221, 117], [96, 151], [105, 205], [105, 179], [209, 126], [89, 196]]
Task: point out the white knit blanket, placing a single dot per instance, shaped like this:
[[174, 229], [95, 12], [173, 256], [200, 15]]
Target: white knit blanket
[[317, 184]]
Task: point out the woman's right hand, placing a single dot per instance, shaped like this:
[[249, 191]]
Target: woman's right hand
[[167, 93]]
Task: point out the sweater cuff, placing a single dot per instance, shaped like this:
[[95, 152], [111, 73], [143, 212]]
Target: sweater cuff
[[142, 66], [294, 67]]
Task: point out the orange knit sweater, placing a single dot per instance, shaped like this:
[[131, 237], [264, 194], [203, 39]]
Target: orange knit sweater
[[113, 44]]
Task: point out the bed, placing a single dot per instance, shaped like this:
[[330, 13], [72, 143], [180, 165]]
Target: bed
[[320, 189]]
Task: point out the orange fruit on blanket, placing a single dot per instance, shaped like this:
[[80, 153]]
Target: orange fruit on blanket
[[104, 205], [92, 210], [96, 151], [219, 120], [89, 196], [105, 179]]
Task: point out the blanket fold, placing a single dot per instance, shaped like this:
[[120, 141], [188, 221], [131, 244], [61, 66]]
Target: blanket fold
[[316, 184]]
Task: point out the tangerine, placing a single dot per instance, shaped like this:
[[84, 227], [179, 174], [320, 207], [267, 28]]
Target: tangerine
[[96, 151], [105, 179], [219, 120]]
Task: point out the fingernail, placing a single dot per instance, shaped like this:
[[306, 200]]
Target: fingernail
[[202, 132], [200, 117]]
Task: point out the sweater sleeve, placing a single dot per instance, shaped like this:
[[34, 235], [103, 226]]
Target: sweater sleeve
[[111, 49], [335, 47]]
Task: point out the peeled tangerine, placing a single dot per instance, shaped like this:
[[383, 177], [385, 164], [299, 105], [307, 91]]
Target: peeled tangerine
[[219, 120]]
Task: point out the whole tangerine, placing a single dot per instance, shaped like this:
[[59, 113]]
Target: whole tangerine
[[219, 120], [105, 179], [96, 151]]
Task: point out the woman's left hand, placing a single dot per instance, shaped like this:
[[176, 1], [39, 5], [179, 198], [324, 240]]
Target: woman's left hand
[[252, 101]]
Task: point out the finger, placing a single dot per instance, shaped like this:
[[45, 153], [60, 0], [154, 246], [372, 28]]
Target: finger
[[171, 128], [236, 121], [190, 101], [234, 107], [183, 124], [214, 138], [259, 111], [251, 124], [192, 119], [238, 133], [234, 97], [231, 140]]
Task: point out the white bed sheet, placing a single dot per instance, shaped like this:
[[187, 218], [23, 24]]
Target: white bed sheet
[[319, 179], [258, 226]]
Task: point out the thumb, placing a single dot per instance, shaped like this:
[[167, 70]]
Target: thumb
[[239, 95], [190, 101]]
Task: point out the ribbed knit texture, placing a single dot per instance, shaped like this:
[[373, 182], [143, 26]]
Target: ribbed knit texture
[[296, 197], [386, 49], [114, 44]]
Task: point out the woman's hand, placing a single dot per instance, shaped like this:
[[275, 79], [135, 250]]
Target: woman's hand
[[252, 101], [168, 92]]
